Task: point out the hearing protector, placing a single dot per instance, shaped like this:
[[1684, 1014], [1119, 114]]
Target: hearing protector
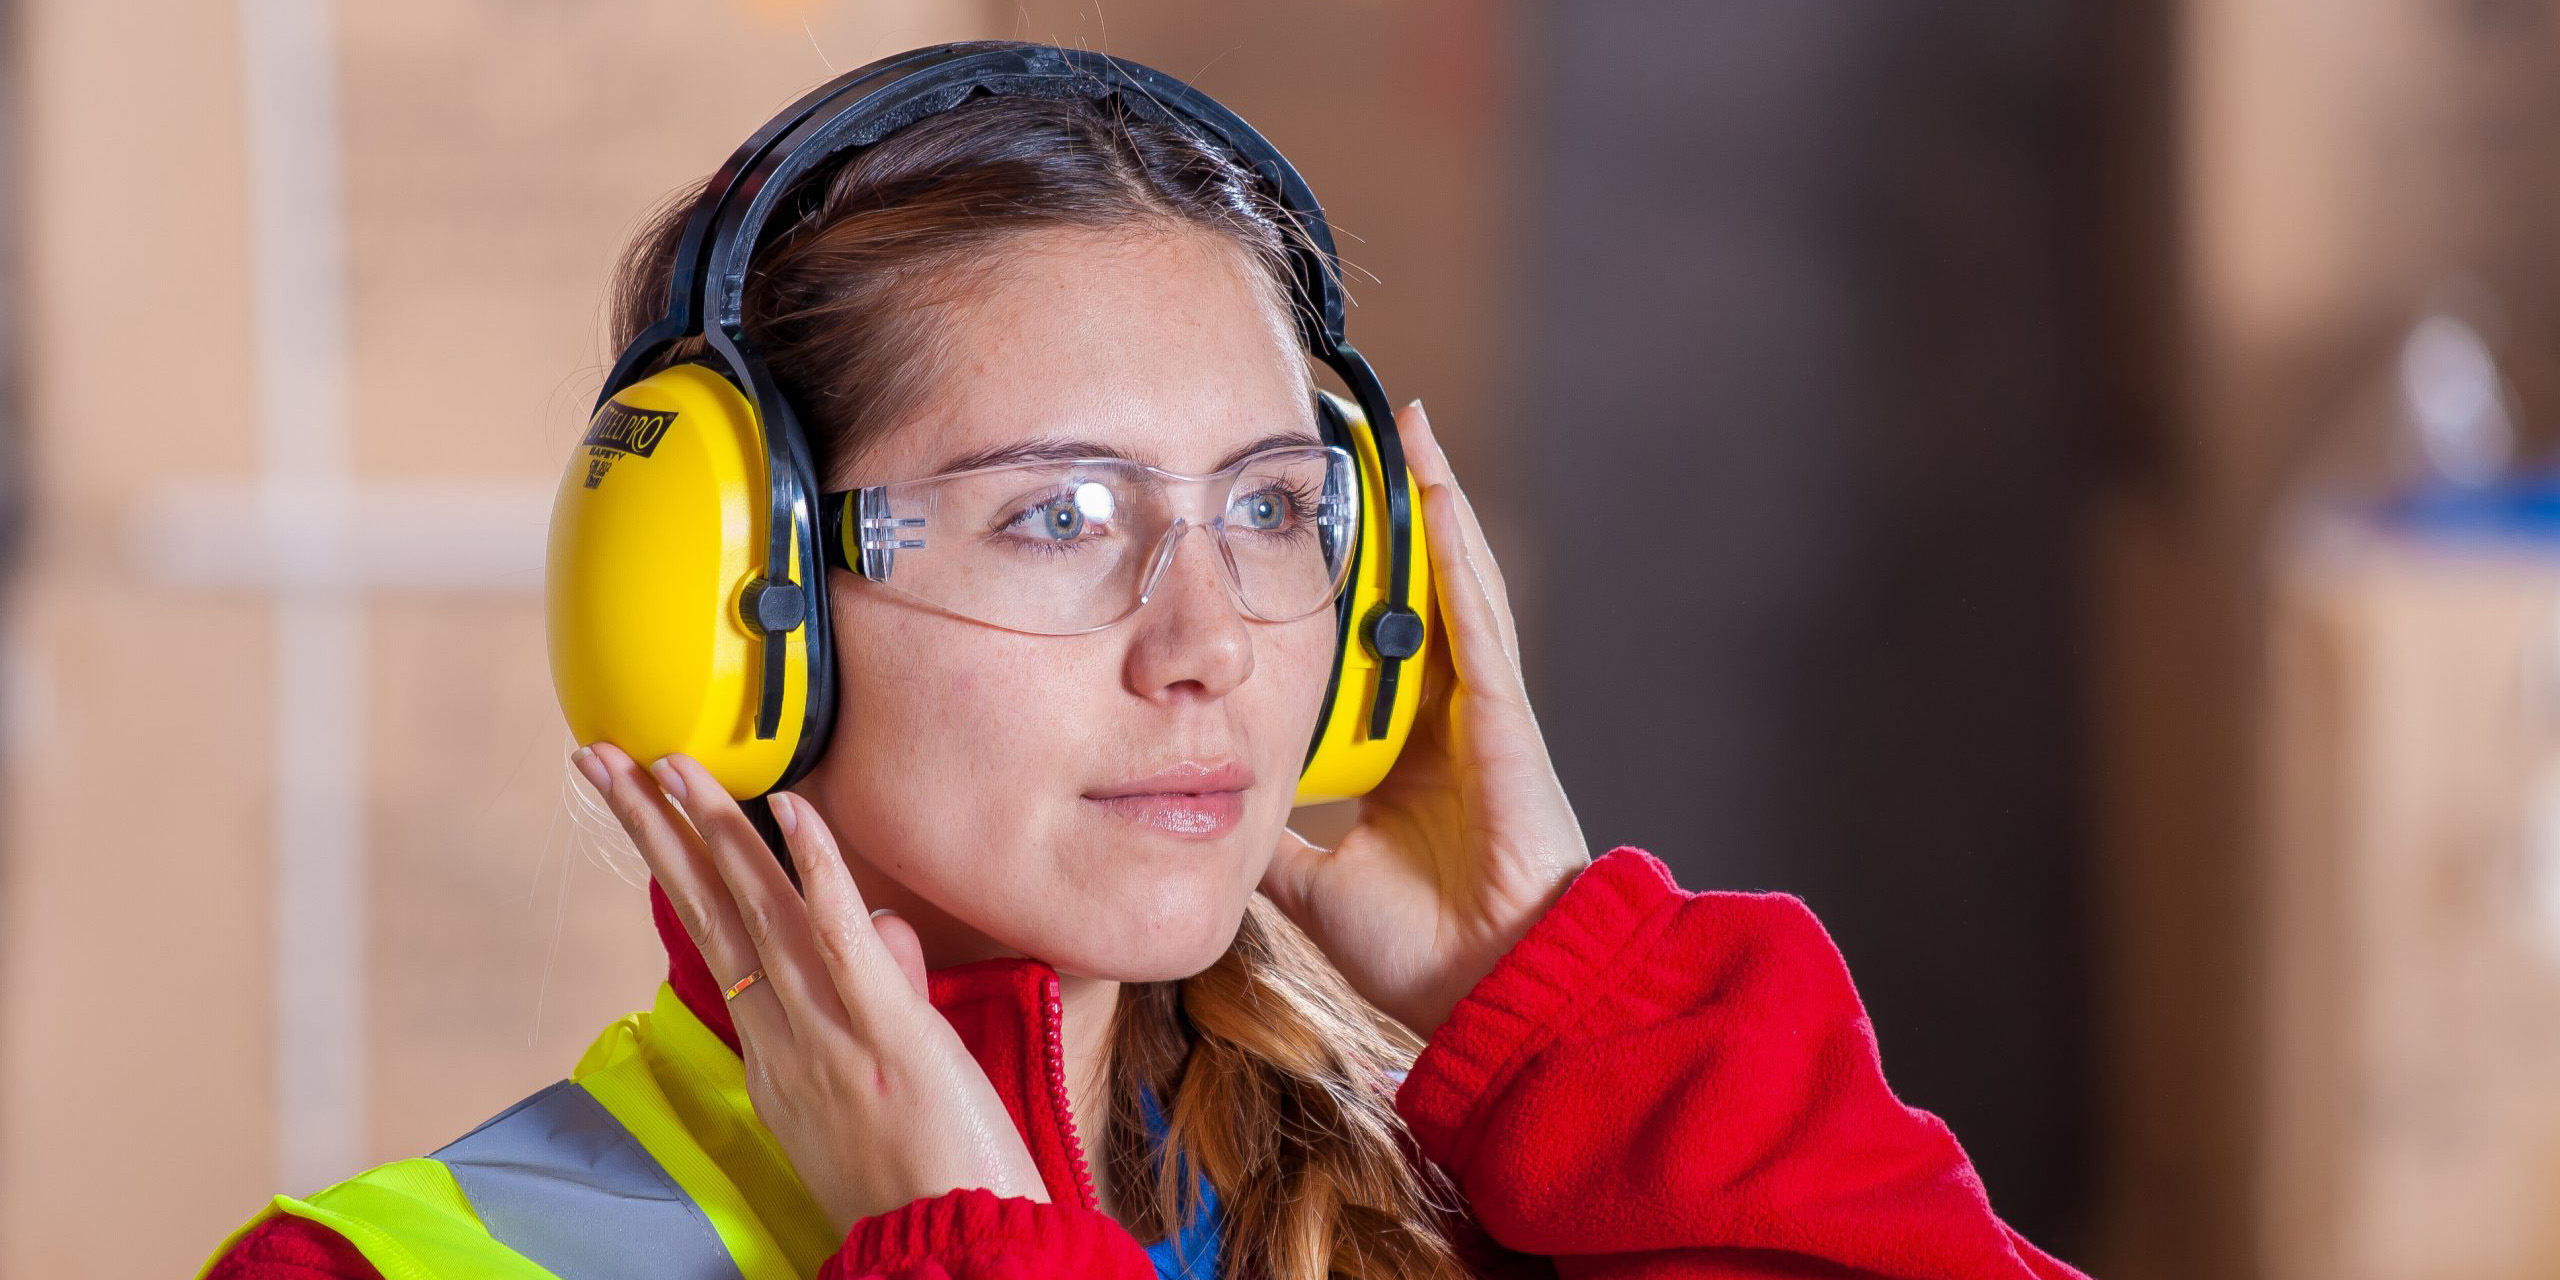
[[686, 589]]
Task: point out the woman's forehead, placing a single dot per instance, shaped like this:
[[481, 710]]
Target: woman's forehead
[[1164, 347]]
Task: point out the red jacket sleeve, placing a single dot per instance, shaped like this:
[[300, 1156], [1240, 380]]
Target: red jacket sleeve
[[974, 1234], [1666, 1084], [285, 1247]]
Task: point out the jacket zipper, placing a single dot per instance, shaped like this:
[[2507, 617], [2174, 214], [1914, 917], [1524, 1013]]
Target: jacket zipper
[[1053, 1034]]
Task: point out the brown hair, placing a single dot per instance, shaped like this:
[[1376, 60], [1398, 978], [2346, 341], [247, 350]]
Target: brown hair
[[1277, 1078]]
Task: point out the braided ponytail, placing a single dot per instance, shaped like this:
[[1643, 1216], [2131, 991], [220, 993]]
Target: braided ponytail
[[1281, 1082]]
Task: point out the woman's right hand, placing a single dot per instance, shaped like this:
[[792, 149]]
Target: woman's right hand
[[868, 1090]]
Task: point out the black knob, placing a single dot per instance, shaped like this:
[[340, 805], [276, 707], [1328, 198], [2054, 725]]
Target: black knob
[[1394, 631], [772, 606]]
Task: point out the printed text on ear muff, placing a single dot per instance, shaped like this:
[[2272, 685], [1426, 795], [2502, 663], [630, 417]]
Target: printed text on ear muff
[[619, 429]]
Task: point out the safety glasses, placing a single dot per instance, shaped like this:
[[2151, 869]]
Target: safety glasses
[[1063, 548]]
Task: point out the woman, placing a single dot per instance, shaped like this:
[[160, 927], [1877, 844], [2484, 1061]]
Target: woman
[[1452, 1045]]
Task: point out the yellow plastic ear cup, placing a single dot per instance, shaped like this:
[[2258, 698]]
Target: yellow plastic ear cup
[[1347, 762], [659, 525]]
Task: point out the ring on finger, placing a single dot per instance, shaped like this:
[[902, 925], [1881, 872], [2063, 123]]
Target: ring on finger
[[742, 984]]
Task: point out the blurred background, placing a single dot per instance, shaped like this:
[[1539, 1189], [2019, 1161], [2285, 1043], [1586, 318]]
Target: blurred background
[[2067, 489]]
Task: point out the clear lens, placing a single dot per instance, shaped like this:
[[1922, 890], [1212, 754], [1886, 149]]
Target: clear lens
[[1057, 548], [1287, 531]]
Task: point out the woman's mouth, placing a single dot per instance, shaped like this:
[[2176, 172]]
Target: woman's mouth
[[1195, 799]]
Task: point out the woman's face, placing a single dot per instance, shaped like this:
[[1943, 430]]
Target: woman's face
[[965, 775]]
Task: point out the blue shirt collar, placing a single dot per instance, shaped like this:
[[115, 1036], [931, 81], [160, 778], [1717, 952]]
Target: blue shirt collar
[[1190, 1251]]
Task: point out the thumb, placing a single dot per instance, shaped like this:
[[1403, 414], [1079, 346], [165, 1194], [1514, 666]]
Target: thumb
[[904, 946], [1289, 879]]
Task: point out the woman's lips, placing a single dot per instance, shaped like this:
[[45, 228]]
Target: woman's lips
[[1201, 814], [1192, 798]]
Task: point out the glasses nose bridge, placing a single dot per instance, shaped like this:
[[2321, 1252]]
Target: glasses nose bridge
[[1170, 546]]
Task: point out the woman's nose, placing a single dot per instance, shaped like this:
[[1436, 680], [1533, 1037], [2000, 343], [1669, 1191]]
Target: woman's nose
[[1190, 632]]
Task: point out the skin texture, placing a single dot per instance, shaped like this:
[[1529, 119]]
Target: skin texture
[[957, 777], [955, 791]]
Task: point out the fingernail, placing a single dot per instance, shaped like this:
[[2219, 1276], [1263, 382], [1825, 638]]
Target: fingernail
[[786, 812], [884, 911], [668, 779], [588, 764]]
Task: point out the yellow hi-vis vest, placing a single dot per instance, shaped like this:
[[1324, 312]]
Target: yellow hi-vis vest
[[648, 1161]]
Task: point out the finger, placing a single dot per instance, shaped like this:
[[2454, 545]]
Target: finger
[[866, 975], [1488, 574], [1421, 448], [1414, 422], [682, 867], [768, 909], [1289, 878], [899, 939], [1488, 569], [1477, 645]]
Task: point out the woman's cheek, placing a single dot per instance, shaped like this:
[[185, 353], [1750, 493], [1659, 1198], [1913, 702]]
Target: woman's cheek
[[1294, 692], [973, 747]]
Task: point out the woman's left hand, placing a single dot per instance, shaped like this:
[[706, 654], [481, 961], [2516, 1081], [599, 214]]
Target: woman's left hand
[[1469, 838]]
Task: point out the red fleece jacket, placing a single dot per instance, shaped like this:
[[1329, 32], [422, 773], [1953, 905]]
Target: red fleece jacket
[[1653, 1083]]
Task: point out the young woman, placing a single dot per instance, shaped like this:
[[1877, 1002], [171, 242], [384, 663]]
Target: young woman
[[1058, 992]]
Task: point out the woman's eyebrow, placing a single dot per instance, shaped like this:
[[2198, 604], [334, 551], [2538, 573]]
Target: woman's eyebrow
[[1276, 440], [1069, 449], [1037, 449]]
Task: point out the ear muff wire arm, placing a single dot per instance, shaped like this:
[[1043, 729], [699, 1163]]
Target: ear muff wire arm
[[1393, 630]]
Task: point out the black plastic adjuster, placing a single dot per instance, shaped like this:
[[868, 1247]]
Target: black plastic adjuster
[[1392, 631], [773, 607]]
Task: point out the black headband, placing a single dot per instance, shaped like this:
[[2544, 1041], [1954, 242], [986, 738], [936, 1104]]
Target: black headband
[[707, 287]]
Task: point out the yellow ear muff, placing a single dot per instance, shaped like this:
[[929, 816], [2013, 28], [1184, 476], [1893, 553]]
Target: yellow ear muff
[[659, 526], [1347, 762]]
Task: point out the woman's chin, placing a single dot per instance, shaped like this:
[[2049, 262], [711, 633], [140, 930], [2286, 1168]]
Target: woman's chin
[[1135, 949]]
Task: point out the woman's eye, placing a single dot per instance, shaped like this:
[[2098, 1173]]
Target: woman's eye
[[1062, 520], [1069, 516], [1270, 510], [1056, 521]]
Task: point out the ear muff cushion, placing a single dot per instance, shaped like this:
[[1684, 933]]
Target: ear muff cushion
[[659, 525], [1345, 761]]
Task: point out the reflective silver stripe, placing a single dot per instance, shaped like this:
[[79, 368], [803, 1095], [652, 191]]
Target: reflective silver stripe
[[558, 1179]]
